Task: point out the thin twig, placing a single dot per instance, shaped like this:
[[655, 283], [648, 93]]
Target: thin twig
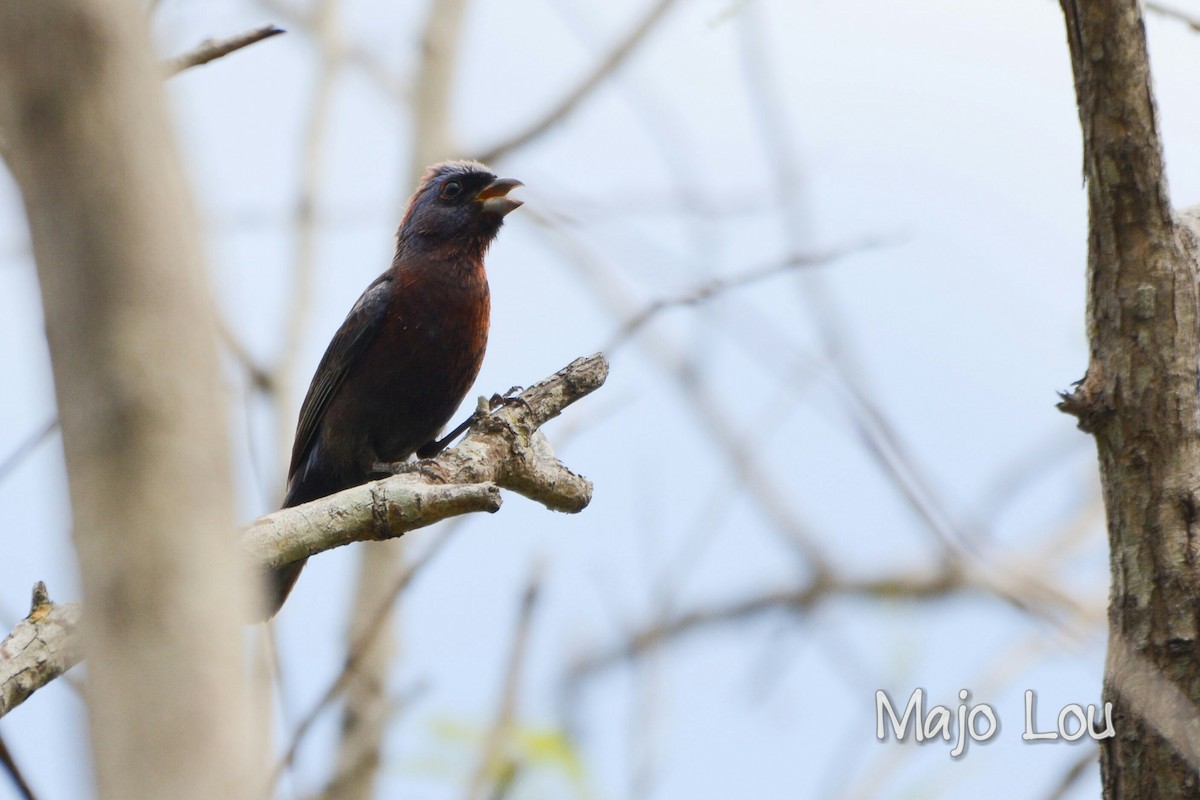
[[712, 289], [22, 451], [261, 379], [878, 434], [490, 771], [391, 86], [794, 601], [1075, 772], [10, 766], [212, 49], [354, 655], [713, 417], [568, 103], [1170, 13]]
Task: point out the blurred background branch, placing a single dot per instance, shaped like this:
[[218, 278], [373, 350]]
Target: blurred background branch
[[212, 49]]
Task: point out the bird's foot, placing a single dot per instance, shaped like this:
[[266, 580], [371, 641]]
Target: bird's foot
[[482, 409], [431, 449], [420, 467], [509, 398]]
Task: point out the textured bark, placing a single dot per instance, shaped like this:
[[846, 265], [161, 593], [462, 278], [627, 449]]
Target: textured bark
[[40, 648], [133, 352], [1139, 398], [373, 512]]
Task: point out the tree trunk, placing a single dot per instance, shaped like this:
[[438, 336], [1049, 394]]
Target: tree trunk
[[1139, 398], [84, 128]]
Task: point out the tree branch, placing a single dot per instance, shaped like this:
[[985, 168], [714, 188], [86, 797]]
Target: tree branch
[[26, 447], [1178, 16], [212, 49], [368, 634], [41, 647], [568, 103], [1139, 399], [798, 600], [716, 287], [14, 772], [132, 345], [504, 449], [384, 509], [494, 762]]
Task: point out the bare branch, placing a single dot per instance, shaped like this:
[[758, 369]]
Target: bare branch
[[433, 85], [1086, 760], [212, 49], [505, 449], [712, 416], [14, 772], [370, 632], [500, 438], [1170, 13], [495, 769], [26, 447], [41, 647], [795, 601], [375, 511], [571, 100], [719, 286], [354, 55]]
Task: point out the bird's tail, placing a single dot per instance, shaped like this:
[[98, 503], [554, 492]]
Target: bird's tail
[[279, 586], [279, 582]]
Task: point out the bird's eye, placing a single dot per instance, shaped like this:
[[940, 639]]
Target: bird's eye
[[451, 190]]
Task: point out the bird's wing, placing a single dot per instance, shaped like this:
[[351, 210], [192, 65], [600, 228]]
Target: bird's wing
[[360, 327]]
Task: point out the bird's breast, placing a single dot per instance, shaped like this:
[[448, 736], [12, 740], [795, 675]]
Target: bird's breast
[[424, 360]]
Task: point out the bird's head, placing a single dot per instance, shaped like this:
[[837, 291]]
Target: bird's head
[[459, 206]]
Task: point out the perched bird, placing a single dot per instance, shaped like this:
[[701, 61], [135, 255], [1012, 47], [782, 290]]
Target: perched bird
[[410, 348]]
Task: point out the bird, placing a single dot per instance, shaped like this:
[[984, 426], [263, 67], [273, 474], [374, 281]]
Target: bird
[[408, 351]]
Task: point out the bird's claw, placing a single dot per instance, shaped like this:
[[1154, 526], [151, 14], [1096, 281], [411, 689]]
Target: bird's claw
[[509, 398], [420, 467], [484, 407]]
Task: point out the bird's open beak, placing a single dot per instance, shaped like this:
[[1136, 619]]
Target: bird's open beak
[[495, 197]]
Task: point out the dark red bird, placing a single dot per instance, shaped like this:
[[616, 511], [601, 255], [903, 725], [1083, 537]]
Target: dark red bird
[[409, 350]]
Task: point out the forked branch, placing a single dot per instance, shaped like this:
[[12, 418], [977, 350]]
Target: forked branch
[[505, 448]]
